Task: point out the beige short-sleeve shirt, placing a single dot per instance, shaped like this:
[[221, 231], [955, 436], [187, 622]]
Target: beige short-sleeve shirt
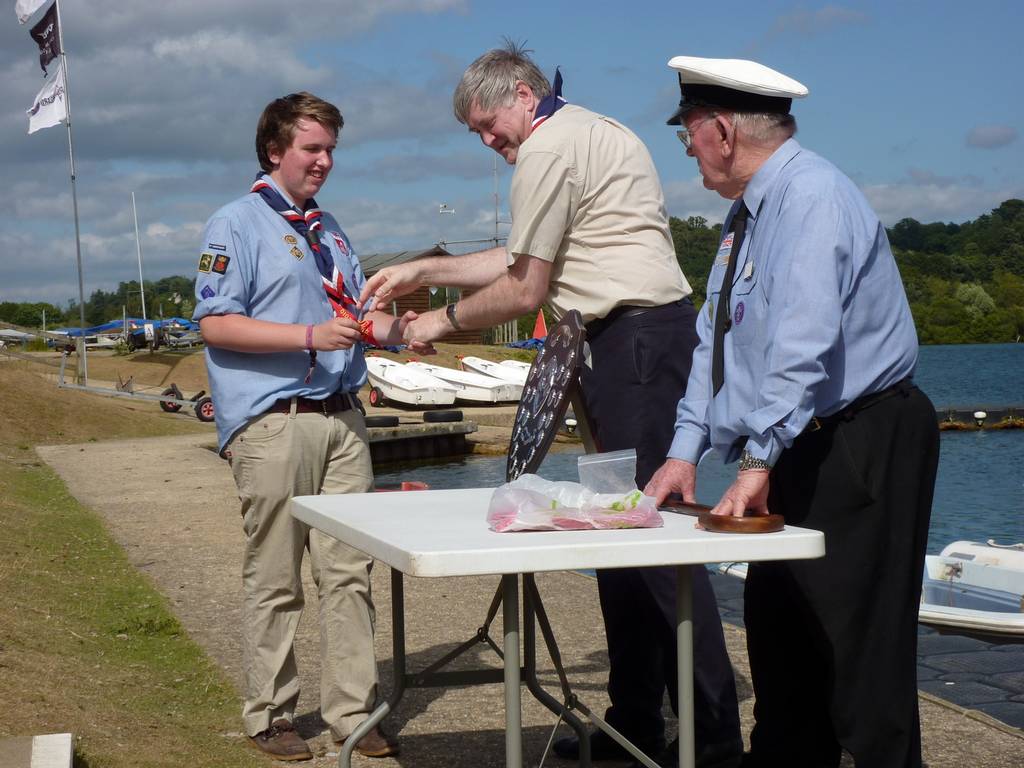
[[586, 196]]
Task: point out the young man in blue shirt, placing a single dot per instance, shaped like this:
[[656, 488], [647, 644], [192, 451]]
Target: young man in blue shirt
[[275, 287]]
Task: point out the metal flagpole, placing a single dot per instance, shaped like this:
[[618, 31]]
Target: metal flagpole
[[138, 249], [83, 365]]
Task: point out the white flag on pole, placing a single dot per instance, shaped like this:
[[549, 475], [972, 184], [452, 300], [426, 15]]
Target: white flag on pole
[[25, 8], [51, 104]]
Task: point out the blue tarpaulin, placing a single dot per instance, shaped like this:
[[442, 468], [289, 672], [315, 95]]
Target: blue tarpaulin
[[135, 325], [528, 344]]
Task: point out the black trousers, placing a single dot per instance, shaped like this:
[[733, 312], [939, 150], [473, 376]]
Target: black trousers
[[832, 642], [640, 367]]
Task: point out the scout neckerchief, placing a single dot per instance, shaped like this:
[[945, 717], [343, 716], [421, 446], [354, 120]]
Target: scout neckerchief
[[308, 224], [550, 103]]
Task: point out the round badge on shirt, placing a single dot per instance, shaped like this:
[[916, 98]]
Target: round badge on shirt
[[737, 316]]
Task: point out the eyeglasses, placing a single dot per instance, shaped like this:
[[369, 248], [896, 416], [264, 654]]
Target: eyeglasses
[[686, 135]]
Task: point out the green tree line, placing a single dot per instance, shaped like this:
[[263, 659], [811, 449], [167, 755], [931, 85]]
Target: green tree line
[[166, 297], [965, 282]]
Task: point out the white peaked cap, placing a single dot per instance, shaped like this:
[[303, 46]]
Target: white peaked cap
[[732, 84]]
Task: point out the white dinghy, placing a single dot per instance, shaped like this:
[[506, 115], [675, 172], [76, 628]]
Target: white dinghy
[[975, 589], [472, 387], [514, 374], [969, 589], [395, 382]]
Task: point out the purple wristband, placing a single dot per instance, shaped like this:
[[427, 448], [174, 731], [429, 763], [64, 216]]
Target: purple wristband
[[309, 337]]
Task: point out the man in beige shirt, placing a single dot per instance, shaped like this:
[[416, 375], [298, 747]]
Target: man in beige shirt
[[590, 232]]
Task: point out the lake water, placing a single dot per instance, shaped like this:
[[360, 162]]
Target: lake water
[[979, 492]]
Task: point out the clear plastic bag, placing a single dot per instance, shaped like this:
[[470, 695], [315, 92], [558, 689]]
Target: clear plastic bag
[[613, 472], [531, 503]]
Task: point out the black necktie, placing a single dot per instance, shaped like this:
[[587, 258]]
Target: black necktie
[[723, 311]]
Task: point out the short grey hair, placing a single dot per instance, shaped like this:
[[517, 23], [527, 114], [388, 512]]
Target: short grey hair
[[490, 81], [765, 127]]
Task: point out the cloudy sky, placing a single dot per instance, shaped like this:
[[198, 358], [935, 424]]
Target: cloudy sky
[[918, 101]]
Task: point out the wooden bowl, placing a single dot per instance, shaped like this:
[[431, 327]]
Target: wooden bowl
[[747, 524], [750, 523]]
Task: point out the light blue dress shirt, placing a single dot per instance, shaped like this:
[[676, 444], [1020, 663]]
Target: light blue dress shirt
[[819, 315], [270, 274]]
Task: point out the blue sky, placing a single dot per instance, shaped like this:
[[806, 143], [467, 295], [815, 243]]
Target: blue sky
[[919, 102]]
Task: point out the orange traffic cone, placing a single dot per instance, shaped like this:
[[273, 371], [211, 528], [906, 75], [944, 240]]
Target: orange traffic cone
[[540, 328]]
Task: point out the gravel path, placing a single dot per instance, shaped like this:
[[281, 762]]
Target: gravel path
[[171, 504]]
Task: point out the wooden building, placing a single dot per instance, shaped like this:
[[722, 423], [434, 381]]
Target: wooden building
[[422, 299]]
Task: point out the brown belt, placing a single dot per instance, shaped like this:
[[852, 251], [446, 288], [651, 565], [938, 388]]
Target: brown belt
[[339, 401]]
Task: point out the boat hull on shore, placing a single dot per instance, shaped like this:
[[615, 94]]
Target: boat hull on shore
[[514, 374], [391, 381], [472, 387]]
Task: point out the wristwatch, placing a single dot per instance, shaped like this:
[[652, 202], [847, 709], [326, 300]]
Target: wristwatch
[[749, 461], [449, 312]]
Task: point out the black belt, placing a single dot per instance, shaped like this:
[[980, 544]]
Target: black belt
[[336, 403], [865, 401], [596, 327]]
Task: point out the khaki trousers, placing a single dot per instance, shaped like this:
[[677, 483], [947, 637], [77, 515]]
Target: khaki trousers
[[275, 457]]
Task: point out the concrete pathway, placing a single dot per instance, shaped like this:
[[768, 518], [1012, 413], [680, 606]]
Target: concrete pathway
[[171, 503]]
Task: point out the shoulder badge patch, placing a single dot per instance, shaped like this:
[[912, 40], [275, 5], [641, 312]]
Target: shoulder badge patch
[[297, 252], [340, 241], [220, 263], [216, 247], [207, 292], [205, 262]]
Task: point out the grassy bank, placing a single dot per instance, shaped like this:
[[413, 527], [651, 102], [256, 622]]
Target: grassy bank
[[87, 644]]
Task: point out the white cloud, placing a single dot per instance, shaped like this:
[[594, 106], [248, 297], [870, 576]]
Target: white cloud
[[689, 198], [419, 166], [991, 136], [805, 24], [936, 200]]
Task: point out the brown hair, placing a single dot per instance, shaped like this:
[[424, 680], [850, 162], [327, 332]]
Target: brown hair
[[277, 124]]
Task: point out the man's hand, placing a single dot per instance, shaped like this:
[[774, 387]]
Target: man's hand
[[390, 283], [673, 476], [425, 329], [748, 491], [419, 346], [336, 333]]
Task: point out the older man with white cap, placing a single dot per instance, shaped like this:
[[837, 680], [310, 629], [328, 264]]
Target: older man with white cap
[[804, 373]]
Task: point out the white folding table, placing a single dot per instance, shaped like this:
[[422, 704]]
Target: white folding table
[[445, 533]]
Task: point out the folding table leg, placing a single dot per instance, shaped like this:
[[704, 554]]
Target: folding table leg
[[533, 614], [398, 665], [513, 705], [684, 663]]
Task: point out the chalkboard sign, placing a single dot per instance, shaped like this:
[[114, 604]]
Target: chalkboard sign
[[546, 395]]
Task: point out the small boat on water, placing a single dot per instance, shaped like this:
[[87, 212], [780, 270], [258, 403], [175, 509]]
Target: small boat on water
[[512, 373], [975, 589], [969, 589], [395, 382], [472, 387]]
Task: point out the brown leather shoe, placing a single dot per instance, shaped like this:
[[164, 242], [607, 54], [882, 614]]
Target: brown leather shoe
[[376, 743], [282, 742]]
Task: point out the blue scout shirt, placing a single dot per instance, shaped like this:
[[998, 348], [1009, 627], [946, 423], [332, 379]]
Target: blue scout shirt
[[819, 314], [253, 263]]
